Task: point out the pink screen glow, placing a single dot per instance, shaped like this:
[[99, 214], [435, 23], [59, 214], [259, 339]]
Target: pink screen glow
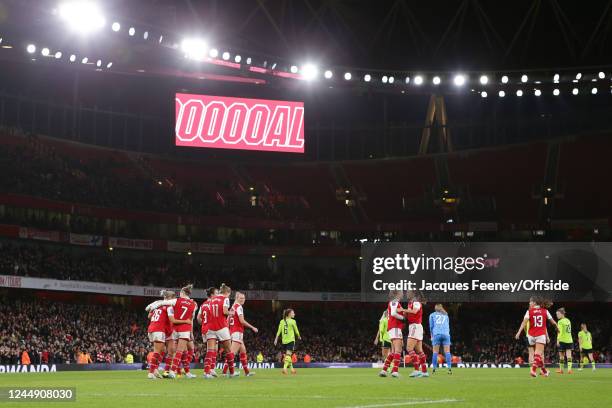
[[239, 123]]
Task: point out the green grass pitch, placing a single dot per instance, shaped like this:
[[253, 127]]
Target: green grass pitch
[[327, 388]]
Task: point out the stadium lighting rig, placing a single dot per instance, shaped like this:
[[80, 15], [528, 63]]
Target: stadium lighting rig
[[85, 16], [58, 54]]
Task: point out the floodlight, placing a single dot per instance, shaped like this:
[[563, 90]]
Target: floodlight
[[82, 16]]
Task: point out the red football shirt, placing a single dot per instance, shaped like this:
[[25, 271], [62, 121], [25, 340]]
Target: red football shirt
[[234, 322], [218, 320], [159, 321], [537, 321], [183, 309], [205, 315], [394, 322], [415, 317]]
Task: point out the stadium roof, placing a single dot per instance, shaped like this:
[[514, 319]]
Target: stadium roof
[[387, 35]]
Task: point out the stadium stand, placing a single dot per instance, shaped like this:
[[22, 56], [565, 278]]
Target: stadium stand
[[583, 164], [392, 195], [513, 175]]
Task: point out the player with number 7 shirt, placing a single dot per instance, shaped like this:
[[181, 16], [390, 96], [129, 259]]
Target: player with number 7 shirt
[[181, 314]]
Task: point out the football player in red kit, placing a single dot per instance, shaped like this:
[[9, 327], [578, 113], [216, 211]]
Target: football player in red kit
[[181, 315], [159, 334], [237, 323], [218, 330], [203, 318], [414, 343], [537, 315], [395, 326]]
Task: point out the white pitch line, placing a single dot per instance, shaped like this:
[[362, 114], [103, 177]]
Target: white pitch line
[[406, 403], [251, 396]]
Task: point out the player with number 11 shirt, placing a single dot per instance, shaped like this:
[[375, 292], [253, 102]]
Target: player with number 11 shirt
[[218, 330]]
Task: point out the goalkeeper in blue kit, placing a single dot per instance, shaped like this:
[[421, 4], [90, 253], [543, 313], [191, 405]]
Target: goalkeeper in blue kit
[[439, 328]]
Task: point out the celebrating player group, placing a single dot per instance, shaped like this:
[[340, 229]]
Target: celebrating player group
[[171, 332], [393, 321]]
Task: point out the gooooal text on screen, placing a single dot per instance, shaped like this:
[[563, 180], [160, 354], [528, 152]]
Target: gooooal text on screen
[[239, 123]]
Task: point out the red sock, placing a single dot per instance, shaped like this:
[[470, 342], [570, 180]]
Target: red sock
[[396, 362], [423, 362], [154, 363], [225, 367], [207, 362], [537, 362], [213, 359], [186, 360], [229, 358], [541, 364], [244, 363], [176, 361], [388, 361], [168, 362], [414, 359]]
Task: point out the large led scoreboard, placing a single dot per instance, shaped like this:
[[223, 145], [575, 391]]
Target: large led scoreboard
[[239, 123]]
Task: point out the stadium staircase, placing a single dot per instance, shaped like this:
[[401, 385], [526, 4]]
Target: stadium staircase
[[148, 172], [246, 188], [547, 191], [343, 183]]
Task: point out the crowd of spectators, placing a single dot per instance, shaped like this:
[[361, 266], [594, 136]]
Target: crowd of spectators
[[39, 170], [115, 179], [58, 332], [55, 261], [54, 332]]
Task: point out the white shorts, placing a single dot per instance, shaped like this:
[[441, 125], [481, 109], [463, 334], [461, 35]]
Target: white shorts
[[395, 333], [157, 337], [237, 337], [415, 331], [538, 339], [182, 335], [221, 335]]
